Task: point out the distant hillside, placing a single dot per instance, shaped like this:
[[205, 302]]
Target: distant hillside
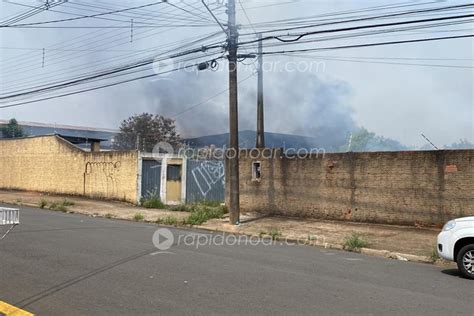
[[247, 140]]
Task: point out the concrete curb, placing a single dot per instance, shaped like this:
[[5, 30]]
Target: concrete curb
[[366, 251]]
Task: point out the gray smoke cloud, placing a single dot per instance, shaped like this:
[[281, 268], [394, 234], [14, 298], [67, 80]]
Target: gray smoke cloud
[[300, 103]]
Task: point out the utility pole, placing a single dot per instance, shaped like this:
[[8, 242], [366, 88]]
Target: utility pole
[[260, 111], [233, 152]]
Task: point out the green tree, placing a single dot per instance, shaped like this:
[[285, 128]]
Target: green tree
[[143, 131], [12, 129], [462, 144], [363, 140], [360, 140]]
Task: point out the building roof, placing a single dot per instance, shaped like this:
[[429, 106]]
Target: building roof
[[62, 126], [81, 140]]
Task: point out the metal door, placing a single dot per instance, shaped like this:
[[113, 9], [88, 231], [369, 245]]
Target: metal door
[[173, 183], [204, 181], [151, 178]]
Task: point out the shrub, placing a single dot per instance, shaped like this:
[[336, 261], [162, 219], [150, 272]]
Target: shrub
[[434, 256], [43, 203], [211, 203], [153, 203], [170, 220], [202, 214], [59, 207], [275, 233], [109, 215], [355, 242], [67, 202], [152, 200], [138, 217]]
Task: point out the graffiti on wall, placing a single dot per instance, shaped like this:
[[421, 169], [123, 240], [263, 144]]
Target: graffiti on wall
[[100, 178], [208, 174]]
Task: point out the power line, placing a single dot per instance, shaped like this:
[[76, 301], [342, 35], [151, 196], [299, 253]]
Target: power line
[[246, 15], [115, 27], [99, 87], [379, 62], [345, 29], [391, 15], [129, 55], [83, 17], [98, 41], [368, 45], [64, 43], [185, 10], [214, 17], [388, 58], [87, 7], [372, 33], [29, 13], [103, 73], [209, 99]]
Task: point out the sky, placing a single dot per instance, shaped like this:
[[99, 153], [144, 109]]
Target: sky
[[326, 94]]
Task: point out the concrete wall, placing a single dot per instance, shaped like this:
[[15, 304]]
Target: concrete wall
[[424, 187], [51, 164]]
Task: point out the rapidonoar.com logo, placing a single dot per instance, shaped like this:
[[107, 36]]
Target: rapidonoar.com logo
[[162, 148], [163, 239], [163, 67]]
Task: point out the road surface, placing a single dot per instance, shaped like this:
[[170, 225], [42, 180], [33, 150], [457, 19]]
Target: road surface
[[67, 264]]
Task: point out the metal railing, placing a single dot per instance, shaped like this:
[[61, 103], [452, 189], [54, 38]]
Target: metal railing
[[9, 217]]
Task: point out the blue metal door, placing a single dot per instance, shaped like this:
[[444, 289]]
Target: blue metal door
[[204, 181], [151, 178]]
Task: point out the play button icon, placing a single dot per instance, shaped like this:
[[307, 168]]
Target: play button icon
[[163, 239]]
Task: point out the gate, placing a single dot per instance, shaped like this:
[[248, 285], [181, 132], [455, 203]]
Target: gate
[[204, 181], [151, 178]]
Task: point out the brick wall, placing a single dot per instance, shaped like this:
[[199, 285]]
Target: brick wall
[[425, 187], [51, 164]]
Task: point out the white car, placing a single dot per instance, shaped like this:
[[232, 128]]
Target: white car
[[456, 243]]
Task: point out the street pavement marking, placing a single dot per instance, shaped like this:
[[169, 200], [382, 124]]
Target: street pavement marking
[[161, 253], [354, 259], [10, 310]]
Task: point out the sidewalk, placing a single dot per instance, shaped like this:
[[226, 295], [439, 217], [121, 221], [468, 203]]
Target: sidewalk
[[398, 242], [393, 241], [101, 208]]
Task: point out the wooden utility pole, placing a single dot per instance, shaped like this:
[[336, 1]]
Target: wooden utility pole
[[260, 111], [233, 152]]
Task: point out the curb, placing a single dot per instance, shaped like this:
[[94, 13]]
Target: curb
[[366, 251]]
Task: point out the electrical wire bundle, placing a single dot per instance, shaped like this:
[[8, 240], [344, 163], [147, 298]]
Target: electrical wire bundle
[[286, 37]]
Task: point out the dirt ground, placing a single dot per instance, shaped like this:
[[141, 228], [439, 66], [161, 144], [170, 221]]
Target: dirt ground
[[400, 239]]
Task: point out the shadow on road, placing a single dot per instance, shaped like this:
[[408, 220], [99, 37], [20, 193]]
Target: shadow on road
[[452, 272], [61, 286]]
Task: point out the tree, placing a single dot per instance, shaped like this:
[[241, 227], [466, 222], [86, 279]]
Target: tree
[[360, 140], [363, 140], [462, 144], [12, 129], [143, 131]]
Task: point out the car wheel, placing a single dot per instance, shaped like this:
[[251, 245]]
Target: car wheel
[[465, 261]]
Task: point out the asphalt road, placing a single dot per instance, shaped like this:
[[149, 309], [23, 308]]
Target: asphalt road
[[63, 264]]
